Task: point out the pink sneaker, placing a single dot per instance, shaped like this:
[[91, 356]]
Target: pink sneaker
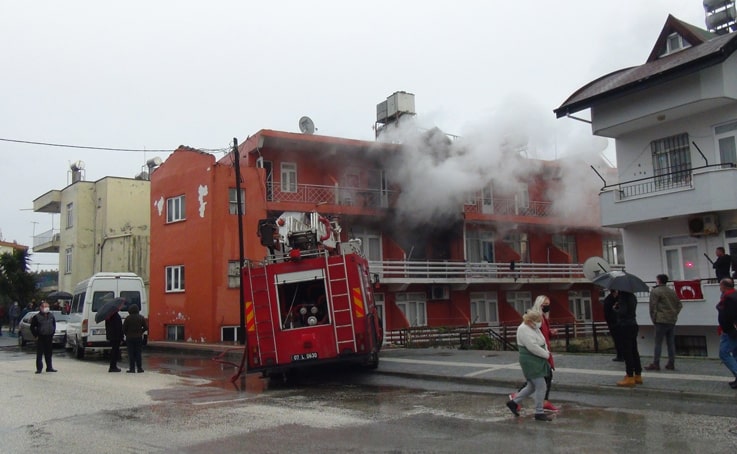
[[548, 406]]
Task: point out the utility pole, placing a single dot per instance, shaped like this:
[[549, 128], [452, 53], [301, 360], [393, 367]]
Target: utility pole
[[242, 258]]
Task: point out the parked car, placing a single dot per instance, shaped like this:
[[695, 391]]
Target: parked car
[[24, 328]]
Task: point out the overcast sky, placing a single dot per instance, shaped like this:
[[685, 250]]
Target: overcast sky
[[151, 75]]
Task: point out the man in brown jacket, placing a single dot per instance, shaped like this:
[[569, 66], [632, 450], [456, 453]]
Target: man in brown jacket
[[664, 309]]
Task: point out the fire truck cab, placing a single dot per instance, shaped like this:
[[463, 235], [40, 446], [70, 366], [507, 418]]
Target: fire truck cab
[[310, 301]]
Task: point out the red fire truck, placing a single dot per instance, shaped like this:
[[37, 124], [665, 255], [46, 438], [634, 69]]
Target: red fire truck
[[310, 301]]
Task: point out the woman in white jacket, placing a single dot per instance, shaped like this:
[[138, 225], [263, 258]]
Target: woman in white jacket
[[533, 358]]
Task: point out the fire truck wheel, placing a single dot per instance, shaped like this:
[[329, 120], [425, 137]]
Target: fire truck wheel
[[373, 361]]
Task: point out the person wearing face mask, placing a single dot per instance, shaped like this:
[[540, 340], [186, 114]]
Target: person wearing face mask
[[542, 305], [533, 358], [43, 326]]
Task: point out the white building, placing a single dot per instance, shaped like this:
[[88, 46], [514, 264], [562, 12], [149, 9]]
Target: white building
[[674, 122]]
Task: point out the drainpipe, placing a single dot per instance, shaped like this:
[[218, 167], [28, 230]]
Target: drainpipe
[[104, 240]]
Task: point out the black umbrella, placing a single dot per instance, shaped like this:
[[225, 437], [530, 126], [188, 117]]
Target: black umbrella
[[108, 309], [53, 296], [619, 280]]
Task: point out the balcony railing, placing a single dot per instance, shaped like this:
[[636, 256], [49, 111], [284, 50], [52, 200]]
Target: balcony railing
[[447, 271], [669, 179], [47, 241], [508, 206], [336, 195]]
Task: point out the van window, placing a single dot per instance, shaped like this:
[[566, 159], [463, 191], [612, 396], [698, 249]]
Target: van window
[[78, 303], [98, 299], [131, 297]]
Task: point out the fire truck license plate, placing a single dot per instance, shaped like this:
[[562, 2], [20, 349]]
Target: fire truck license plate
[[304, 356]]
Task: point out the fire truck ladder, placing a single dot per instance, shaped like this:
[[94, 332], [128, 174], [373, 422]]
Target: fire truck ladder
[[340, 295], [261, 298]]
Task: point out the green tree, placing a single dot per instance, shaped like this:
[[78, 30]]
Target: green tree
[[16, 282]]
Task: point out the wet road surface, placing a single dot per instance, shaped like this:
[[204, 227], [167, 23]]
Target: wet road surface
[[186, 403]]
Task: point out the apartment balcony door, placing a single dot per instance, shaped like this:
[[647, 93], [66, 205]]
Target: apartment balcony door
[[487, 200]]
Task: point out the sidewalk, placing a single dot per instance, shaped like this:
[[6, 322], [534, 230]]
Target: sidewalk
[[693, 378]]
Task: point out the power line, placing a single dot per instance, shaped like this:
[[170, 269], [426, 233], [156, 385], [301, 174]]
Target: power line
[[131, 150]]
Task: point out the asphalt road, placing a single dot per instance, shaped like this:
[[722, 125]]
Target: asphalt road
[[185, 402]]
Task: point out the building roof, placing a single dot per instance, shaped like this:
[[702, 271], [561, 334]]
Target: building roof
[[13, 245], [706, 49]]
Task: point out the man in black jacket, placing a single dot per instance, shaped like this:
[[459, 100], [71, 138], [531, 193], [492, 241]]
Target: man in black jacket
[[114, 334], [43, 327]]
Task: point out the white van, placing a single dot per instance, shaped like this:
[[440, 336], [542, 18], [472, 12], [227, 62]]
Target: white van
[[83, 334]]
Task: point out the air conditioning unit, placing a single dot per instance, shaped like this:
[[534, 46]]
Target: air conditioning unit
[[703, 224], [439, 292]]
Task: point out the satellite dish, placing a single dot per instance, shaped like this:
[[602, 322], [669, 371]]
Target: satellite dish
[[595, 266], [306, 125]]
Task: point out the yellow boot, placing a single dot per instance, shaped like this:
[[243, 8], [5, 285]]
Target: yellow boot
[[638, 379], [627, 381]]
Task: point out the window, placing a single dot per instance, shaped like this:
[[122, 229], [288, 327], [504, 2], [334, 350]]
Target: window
[[520, 301], [523, 196], [674, 43], [479, 246], [518, 242], [413, 307], [229, 334], [288, 177], [175, 278], [681, 256], [175, 209], [671, 161], [580, 305], [70, 215], [567, 244], [370, 243], [691, 346], [234, 274], [68, 261], [484, 307], [233, 201], [613, 250], [174, 332], [725, 137]]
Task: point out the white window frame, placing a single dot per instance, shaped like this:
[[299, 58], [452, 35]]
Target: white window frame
[[613, 249], [175, 209], [566, 243], [68, 261], [520, 301], [70, 215], [174, 278], [234, 274], [414, 307], [233, 201], [288, 176], [671, 160], [484, 308], [176, 329], [579, 303], [726, 134], [235, 329], [523, 196], [684, 250]]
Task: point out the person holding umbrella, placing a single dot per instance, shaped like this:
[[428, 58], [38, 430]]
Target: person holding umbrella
[[627, 327], [114, 334]]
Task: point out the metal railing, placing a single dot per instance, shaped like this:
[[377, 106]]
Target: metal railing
[[508, 206], [46, 238], [666, 180], [476, 270], [336, 195]]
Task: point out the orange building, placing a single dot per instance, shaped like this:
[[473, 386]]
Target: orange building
[[442, 253]]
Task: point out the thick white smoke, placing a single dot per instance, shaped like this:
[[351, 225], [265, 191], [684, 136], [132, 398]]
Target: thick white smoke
[[438, 173]]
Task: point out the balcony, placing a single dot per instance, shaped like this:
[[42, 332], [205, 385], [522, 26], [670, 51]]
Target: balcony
[[48, 203], [464, 273], [510, 206], [313, 195], [47, 241], [680, 192]]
